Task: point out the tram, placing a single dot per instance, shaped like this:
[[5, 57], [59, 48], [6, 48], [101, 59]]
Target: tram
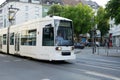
[[38, 39]]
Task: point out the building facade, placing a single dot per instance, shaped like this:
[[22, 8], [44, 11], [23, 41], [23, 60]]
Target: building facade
[[92, 4], [115, 32], [28, 10], [73, 2]]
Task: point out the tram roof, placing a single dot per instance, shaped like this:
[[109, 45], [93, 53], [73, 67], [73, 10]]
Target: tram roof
[[45, 18], [58, 17]]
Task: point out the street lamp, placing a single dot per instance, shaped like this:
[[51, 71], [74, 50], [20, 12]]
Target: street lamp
[[11, 15], [94, 29]]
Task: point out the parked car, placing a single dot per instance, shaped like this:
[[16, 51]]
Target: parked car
[[79, 45]]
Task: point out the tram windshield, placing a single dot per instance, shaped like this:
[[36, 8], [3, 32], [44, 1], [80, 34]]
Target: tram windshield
[[64, 33]]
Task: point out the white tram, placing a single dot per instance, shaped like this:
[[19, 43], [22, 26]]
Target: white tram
[[37, 39]]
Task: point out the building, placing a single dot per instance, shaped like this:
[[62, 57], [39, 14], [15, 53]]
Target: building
[[28, 10], [115, 33], [73, 2], [92, 4]]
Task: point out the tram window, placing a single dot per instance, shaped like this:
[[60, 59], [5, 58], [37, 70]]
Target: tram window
[[4, 39], [32, 37], [28, 37], [48, 36], [12, 39]]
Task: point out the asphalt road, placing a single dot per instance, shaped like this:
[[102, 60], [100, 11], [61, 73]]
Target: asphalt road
[[87, 66]]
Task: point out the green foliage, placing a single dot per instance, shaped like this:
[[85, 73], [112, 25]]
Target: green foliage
[[113, 10], [102, 21], [80, 14], [55, 10]]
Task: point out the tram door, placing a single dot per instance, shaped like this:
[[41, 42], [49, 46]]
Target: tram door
[[17, 43]]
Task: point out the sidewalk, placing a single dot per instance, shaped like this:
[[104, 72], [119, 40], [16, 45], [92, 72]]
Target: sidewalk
[[114, 51]]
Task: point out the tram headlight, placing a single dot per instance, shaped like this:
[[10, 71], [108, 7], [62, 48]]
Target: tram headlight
[[58, 48]]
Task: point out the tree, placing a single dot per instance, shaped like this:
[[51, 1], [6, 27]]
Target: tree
[[81, 16], [113, 10], [102, 21], [55, 10]]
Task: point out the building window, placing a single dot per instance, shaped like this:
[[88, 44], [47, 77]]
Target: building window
[[48, 3], [1, 21], [45, 9], [0, 11], [26, 8], [58, 3], [4, 39], [24, 0], [35, 1], [12, 39], [26, 16], [37, 9], [5, 23], [28, 37], [36, 16], [53, 3], [1, 24]]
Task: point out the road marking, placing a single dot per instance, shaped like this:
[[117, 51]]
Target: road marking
[[102, 75], [107, 65], [97, 74], [102, 60], [17, 60], [98, 66], [45, 79], [6, 61]]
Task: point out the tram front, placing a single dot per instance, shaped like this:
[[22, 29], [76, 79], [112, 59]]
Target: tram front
[[64, 38]]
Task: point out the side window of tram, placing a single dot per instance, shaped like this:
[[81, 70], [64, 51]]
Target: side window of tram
[[28, 37], [0, 42], [48, 36], [4, 39], [12, 39]]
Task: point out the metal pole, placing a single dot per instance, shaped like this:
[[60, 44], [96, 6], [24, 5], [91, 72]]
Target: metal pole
[[8, 39], [93, 41], [98, 50], [10, 19], [8, 31]]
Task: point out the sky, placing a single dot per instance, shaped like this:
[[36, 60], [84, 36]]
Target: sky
[[100, 2]]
